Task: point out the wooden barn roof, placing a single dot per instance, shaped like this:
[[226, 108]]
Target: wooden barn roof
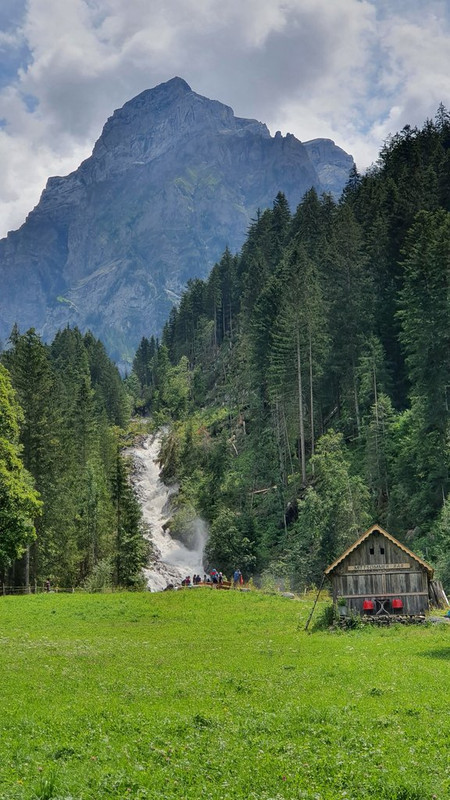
[[364, 536]]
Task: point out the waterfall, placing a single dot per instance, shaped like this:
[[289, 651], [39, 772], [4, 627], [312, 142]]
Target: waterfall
[[171, 560]]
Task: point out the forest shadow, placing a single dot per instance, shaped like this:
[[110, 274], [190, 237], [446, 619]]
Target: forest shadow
[[440, 652]]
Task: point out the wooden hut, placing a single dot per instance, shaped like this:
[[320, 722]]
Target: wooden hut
[[378, 575]]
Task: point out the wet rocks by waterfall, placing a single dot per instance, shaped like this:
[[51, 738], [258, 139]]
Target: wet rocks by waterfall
[[171, 560]]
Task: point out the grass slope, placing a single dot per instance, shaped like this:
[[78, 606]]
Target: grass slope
[[218, 695]]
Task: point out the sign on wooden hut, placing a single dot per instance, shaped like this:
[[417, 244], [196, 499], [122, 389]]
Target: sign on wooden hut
[[378, 575]]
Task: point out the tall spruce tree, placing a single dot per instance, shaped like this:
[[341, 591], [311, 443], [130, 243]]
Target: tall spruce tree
[[299, 341], [131, 549]]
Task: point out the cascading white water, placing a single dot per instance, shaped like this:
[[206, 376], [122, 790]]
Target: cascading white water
[[171, 561]]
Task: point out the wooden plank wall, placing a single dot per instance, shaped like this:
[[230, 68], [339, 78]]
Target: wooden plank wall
[[378, 568]]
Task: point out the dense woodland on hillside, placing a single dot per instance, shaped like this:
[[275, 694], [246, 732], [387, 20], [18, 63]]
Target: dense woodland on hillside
[[65, 498], [309, 376], [307, 382]]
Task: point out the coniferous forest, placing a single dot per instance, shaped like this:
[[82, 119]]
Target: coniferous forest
[[67, 511], [309, 376], [306, 383]]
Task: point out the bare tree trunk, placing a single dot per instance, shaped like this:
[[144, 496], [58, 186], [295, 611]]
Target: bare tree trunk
[[286, 438], [375, 392], [300, 409], [224, 321], [311, 398], [27, 568], [275, 415], [377, 419], [355, 394], [281, 464]]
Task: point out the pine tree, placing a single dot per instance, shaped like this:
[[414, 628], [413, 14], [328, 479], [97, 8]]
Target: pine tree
[[299, 340], [109, 393], [142, 363], [280, 221], [350, 300], [380, 453], [131, 549]]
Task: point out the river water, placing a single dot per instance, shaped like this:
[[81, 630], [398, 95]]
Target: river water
[[171, 560]]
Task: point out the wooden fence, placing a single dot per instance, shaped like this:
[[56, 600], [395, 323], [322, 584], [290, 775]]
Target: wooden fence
[[19, 590]]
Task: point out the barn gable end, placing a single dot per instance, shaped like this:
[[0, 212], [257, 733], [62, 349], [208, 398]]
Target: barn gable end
[[379, 570]]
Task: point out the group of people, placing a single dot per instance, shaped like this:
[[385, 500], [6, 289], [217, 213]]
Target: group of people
[[196, 579], [213, 577]]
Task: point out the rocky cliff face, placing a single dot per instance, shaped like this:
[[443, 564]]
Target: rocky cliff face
[[173, 179]]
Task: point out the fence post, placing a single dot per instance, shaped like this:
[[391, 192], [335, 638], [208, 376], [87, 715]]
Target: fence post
[[315, 602]]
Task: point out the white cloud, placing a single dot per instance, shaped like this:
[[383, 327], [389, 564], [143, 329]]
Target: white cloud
[[352, 70]]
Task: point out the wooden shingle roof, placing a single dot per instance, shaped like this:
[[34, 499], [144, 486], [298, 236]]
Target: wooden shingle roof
[[364, 536]]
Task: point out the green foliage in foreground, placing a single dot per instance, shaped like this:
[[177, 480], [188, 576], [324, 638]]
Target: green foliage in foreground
[[216, 695]]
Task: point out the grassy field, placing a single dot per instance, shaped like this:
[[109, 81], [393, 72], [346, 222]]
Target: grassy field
[[216, 695]]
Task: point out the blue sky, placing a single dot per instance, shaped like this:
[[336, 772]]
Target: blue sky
[[351, 70], [14, 51]]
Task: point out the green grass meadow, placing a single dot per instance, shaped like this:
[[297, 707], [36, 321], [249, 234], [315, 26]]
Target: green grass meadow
[[214, 694]]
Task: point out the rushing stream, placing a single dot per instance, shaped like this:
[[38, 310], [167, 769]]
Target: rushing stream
[[171, 560]]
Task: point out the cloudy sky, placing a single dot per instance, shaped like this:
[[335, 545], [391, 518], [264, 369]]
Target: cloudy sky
[[350, 70]]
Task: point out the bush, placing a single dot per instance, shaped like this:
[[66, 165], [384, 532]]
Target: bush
[[326, 618], [101, 577]]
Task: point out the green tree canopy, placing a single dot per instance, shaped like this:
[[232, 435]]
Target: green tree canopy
[[19, 501]]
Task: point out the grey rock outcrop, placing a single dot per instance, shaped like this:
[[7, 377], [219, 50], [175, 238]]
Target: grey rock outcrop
[[173, 179], [331, 163]]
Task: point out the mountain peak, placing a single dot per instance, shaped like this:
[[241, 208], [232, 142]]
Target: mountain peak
[[176, 83], [174, 88], [174, 178], [159, 118]]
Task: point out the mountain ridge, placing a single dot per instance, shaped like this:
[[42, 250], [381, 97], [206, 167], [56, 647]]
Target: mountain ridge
[[173, 179]]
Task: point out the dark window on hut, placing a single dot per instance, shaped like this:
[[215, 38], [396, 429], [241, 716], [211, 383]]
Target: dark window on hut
[[382, 551], [372, 551]]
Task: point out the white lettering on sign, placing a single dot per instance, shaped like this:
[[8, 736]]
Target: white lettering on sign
[[370, 567]]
